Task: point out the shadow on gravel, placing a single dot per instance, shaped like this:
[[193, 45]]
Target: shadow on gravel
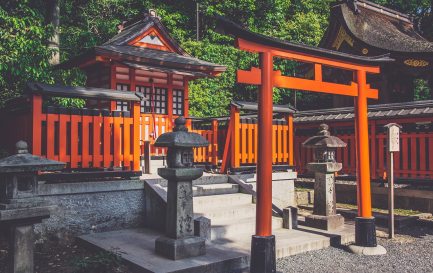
[[418, 232]]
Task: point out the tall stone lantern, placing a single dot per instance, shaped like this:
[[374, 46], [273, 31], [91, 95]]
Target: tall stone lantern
[[179, 241], [20, 206], [324, 167]]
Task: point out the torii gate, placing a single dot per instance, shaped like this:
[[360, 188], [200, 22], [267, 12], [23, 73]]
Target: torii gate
[[263, 242]]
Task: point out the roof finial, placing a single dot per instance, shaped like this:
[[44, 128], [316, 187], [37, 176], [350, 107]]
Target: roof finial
[[22, 147], [353, 5]]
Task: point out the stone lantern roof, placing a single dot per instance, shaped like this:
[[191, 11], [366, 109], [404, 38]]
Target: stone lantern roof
[[323, 139], [180, 137], [23, 161]]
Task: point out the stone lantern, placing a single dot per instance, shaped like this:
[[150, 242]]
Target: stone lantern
[[179, 241], [20, 206], [324, 167]]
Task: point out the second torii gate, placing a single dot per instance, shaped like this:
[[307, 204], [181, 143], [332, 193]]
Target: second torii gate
[[263, 242]]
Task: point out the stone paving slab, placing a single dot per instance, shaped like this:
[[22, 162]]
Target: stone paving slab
[[136, 246], [296, 241]]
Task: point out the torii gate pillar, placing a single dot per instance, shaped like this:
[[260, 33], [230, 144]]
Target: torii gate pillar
[[263, 242]]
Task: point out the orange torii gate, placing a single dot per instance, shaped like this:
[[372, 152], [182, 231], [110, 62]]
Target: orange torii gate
[[263, 242]]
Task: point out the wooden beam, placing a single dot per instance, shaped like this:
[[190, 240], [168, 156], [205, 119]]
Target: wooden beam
[[253, 77], [304, 58]]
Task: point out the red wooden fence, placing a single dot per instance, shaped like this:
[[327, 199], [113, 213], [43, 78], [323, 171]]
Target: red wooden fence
[[415, 159], [82, 140]]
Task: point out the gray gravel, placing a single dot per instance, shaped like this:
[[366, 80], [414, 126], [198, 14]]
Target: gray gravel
[[410, 251]]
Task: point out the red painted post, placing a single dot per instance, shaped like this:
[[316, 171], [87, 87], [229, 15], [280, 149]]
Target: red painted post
[[37, 125], [214, 142], [264, 162], [263, 243], [365, 230], [136, 136]]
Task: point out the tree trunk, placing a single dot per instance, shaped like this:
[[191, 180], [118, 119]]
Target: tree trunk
[[53, 18]]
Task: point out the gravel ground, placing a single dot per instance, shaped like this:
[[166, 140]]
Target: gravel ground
[[410, 251]]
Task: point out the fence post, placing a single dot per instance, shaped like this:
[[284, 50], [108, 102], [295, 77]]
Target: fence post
[[290, 137], [215, 142], [373, 152], [136, 135], [37, 125], [235, 117]]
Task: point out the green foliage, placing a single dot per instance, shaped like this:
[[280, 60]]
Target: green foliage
[[422, 90], [23, 52], [84, 24]]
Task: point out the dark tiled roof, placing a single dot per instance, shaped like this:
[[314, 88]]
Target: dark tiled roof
[[394, 110], [227, 26], [134, 30], [252, 106], [164, 69], [157, 57], [82, 92], [382, 28]]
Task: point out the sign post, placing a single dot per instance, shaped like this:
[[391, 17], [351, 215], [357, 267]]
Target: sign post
[[393, 140]]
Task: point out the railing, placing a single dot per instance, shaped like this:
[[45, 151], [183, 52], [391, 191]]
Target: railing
[[85, 138], [414, 161], [233, 141]]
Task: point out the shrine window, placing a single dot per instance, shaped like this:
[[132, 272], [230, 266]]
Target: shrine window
[[178, 101], [155, 99], [122, 105]]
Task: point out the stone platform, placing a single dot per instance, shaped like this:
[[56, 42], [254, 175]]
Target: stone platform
[[136, 246]]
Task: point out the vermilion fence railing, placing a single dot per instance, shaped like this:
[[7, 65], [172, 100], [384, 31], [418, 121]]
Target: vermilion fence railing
[[414, 161], [110, 139], [86, 138], [235, 144]]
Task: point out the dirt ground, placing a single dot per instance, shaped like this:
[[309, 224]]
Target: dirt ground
[[52, 257]]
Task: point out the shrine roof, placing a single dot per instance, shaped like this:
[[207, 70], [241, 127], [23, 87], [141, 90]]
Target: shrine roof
[[82, 92], [394, 110], [132, 31], [157, 57], [145, 42], [380, 27], [252, 106], [226, 26]]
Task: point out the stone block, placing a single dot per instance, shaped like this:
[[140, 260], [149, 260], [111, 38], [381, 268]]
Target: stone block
[[202, 227], [290, 218], [176, 249], [328, 223], [283, 193]]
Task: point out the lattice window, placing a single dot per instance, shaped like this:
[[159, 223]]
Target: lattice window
[[122, 105], [178, 101], [155, 101]]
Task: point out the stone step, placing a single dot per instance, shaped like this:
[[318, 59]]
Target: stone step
[[215, 189], [244, 227], [226, 213], [204, 180], [288, 242], [203, 203]]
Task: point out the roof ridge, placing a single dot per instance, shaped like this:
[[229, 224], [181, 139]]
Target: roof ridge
[[383, 10]]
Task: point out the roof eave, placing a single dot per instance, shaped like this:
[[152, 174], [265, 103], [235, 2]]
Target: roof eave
[[228, 27]]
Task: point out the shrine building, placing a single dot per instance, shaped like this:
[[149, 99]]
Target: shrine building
[[363, 28]]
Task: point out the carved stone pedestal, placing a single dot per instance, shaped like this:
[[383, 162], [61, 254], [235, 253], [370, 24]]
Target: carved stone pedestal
[[325, 211], [179, 241]]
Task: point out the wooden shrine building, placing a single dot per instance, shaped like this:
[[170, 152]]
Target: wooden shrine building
[[144, 58], [363, 28], [137, 84]]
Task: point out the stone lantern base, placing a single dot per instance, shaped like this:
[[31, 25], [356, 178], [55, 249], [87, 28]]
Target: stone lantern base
[[328, 223], [325, 211], [177, 249]]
